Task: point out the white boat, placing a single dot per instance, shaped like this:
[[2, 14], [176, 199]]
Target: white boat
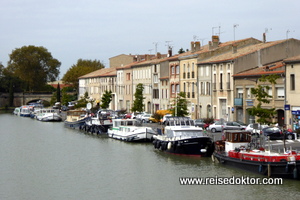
[[48, 115], [26, 111], [130, 130], [17, 111], [181, 136]]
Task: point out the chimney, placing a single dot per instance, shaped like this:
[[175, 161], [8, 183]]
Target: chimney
[[210, 46], [192, 46], [170, 52], [197, 46], [264, 38], [215, 41], [234, 48], [147, 57], [158, 55]]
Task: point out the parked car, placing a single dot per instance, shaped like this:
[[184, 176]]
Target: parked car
[[217, 126], [255, 131], [127, 116], [145, 118], [153, 120], [276, 133], [233, 126], [200, 123]]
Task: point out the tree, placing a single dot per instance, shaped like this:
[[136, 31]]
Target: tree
[[181, 50], [58, 93], [138, 105], [81, 68], [180, 106], [34, 65], [261, 95], [106, 99], [84, 100]]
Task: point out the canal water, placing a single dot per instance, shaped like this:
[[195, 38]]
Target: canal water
[[43, 160]]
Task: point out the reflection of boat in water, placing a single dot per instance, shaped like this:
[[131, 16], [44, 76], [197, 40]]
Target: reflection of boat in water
[[99, 123], [48, 115], [130, 130], [75, 118], [181, 136], [238, 150]]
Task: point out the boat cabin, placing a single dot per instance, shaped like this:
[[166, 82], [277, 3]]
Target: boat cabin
[[236, 139], [179, 121], [125, 122]]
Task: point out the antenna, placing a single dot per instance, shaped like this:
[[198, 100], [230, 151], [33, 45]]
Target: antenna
[[150, 51], [202, 39], [195, 37], [155, 44], [213, 30], [234, 27], [169, 45]]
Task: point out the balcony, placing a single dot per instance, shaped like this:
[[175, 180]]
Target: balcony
[[238, 101]]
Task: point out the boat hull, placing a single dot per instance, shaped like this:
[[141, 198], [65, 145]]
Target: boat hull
[[143, 136], [202, 146], [282, 169], [75, 124]]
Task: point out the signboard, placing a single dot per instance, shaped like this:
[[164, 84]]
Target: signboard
[[287, 107]]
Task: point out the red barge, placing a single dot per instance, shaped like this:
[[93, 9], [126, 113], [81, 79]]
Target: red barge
[[238, 150]]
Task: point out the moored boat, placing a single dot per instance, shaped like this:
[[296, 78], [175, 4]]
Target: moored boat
[[239, 150], [76, 119], [130, 130], [48, 115], [26, 110], [181, 136], [99, 123]]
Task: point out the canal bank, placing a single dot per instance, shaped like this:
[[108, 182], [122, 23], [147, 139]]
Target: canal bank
[[41, 160]]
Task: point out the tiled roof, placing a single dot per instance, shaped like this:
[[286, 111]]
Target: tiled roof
[[292, 59], [101, 73], [273, 68], [228, 56]]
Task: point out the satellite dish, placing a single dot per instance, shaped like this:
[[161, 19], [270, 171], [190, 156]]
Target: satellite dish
[[89, 106]]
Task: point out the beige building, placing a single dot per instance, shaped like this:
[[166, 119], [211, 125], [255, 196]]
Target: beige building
[[97, 82], [240, 59], [292, 108], [244, 99]]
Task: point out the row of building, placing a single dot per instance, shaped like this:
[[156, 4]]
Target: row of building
[[217, 79]]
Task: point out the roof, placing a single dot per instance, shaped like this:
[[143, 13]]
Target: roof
[[229, 56], [295, 59], [273, 68], [101, 73]]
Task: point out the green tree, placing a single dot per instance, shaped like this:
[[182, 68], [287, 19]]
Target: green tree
[[138, 105], [58, 93], [84, 100], [82, 67], [34, 65], [106, 99], [180, 106], [261, 95], [181, 51]]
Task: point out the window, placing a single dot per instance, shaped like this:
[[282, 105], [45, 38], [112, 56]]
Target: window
[[127, 76], [177, 88], [239, 93], [280, 92], [173, 88], [173, 69], [292, 84], [221, 81], [177, 69]]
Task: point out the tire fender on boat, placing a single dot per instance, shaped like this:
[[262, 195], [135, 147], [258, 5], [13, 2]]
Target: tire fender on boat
[[169, 145], [213, 157]]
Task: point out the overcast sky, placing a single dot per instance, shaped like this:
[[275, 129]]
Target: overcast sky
[[100, 29]]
